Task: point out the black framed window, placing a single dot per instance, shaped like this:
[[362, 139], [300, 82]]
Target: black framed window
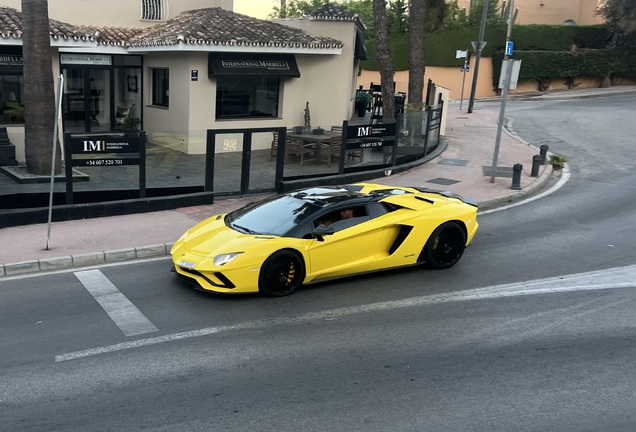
[[246, 97], [160, 87], [11, 103]]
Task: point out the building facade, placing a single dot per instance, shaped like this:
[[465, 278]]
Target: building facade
[[206, 68], [569, 12]]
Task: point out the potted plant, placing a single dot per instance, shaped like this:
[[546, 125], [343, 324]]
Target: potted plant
[[363, 99], [131, 125], [557, 161]]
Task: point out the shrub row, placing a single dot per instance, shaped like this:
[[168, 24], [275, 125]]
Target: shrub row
[[545, 66], [441, 46]]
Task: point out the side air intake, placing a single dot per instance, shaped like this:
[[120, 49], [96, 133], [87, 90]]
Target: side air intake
[[405, 230]]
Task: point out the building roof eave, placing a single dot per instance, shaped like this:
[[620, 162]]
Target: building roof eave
[[234, 48]]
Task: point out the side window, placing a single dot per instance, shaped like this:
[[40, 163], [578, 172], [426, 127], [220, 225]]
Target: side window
[[344, 217], [376, 210], [160, 87]]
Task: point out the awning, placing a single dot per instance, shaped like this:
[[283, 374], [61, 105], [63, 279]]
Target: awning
[[255, 65]]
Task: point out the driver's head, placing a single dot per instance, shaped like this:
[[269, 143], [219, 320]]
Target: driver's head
[[346, 213]]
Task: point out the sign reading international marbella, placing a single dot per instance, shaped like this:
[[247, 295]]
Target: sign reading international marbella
[[368, 136], [105, 146], [90, 59], [256, 64]]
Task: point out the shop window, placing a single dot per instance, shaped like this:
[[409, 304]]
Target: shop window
[[246, 97], [152, 10], [160, 87], [11, 103]]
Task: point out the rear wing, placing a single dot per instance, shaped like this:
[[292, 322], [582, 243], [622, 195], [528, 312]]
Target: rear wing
[[448, 194]]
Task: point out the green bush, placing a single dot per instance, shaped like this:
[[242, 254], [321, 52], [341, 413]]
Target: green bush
[[440, 46], [544, 66]]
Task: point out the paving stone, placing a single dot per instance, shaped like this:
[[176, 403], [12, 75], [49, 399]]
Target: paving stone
[[120, 254], [56, 263], [88, 259], [22, 267], [151, 251]]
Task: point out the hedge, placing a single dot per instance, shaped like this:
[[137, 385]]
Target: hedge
[[544, 66], [440, 47]]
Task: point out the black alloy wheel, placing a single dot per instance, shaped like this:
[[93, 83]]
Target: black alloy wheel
[[445, 246], [281, 274]]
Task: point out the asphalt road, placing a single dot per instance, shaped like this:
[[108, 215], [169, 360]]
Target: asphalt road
[[404, 350]]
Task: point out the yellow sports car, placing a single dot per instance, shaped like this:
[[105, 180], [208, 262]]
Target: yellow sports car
[[276, 245]]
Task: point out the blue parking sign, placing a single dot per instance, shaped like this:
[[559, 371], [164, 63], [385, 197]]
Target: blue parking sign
[[509, 46]]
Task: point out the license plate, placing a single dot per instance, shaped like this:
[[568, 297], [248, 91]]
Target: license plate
[[187, 264]]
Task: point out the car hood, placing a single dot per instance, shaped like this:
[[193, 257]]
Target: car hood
[[216, 238]]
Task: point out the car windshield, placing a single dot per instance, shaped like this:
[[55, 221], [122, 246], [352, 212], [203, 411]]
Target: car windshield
[[273, 217]]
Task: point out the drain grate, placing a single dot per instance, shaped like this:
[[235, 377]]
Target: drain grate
[[500, 172], [454, 162], [442, 181]]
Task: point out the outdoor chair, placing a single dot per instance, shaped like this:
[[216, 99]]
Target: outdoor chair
[[274, 148], [334, 146], [298, 148]]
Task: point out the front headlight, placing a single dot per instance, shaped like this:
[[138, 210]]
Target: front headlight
[[225, 258]]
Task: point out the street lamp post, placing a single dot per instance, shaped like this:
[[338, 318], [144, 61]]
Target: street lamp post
[[480, 43]]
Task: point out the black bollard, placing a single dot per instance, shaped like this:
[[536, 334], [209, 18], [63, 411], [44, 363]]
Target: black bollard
[[543, 152], [536, 163], [516, 176]]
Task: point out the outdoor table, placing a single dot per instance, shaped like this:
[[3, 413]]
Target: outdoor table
[[308, 138]]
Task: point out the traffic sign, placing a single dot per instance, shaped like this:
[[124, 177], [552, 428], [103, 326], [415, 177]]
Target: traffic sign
[[474, 44], [509, 46]]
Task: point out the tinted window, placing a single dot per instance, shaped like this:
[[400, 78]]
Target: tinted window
[[274, 217]]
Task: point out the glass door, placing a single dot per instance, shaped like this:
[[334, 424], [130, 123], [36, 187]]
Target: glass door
[[87, 100], [99, 102]]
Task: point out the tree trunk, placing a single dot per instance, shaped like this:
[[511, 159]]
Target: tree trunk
[[385, 61], [417, 34], [39, 93]]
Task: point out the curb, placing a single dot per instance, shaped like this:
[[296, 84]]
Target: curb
[[84, 260]]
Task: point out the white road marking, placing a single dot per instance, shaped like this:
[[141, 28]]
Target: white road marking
[[128, 318], [565, 176], [621, 277]]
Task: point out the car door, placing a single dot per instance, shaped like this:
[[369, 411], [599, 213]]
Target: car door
[[350, 249]]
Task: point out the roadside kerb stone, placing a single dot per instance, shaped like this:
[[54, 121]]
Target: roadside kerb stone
[[120, 254], [22, 267], [168, 247], [151, 251], [2, 270], [88, 259], [528, 190], [57, 263]]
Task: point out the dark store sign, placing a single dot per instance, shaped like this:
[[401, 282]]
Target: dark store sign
[[105, 144], [11, 60], [255, 64]]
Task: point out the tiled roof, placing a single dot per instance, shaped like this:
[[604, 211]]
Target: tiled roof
[[212, 26], [222, 27], [11, 27], [332, 12], [114, 36]]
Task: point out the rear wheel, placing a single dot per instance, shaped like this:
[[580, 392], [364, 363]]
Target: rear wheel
[[281, 274], [445, 246]]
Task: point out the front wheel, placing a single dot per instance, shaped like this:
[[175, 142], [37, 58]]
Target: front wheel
[[281, 274], [445, 246]]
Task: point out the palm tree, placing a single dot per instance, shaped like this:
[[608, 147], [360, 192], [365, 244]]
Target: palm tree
[[385, 60], [39, 93]]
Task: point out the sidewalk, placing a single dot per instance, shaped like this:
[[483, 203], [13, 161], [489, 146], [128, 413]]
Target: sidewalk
[[471, 141]]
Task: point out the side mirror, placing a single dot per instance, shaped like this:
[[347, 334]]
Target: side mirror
[[321, 231]]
